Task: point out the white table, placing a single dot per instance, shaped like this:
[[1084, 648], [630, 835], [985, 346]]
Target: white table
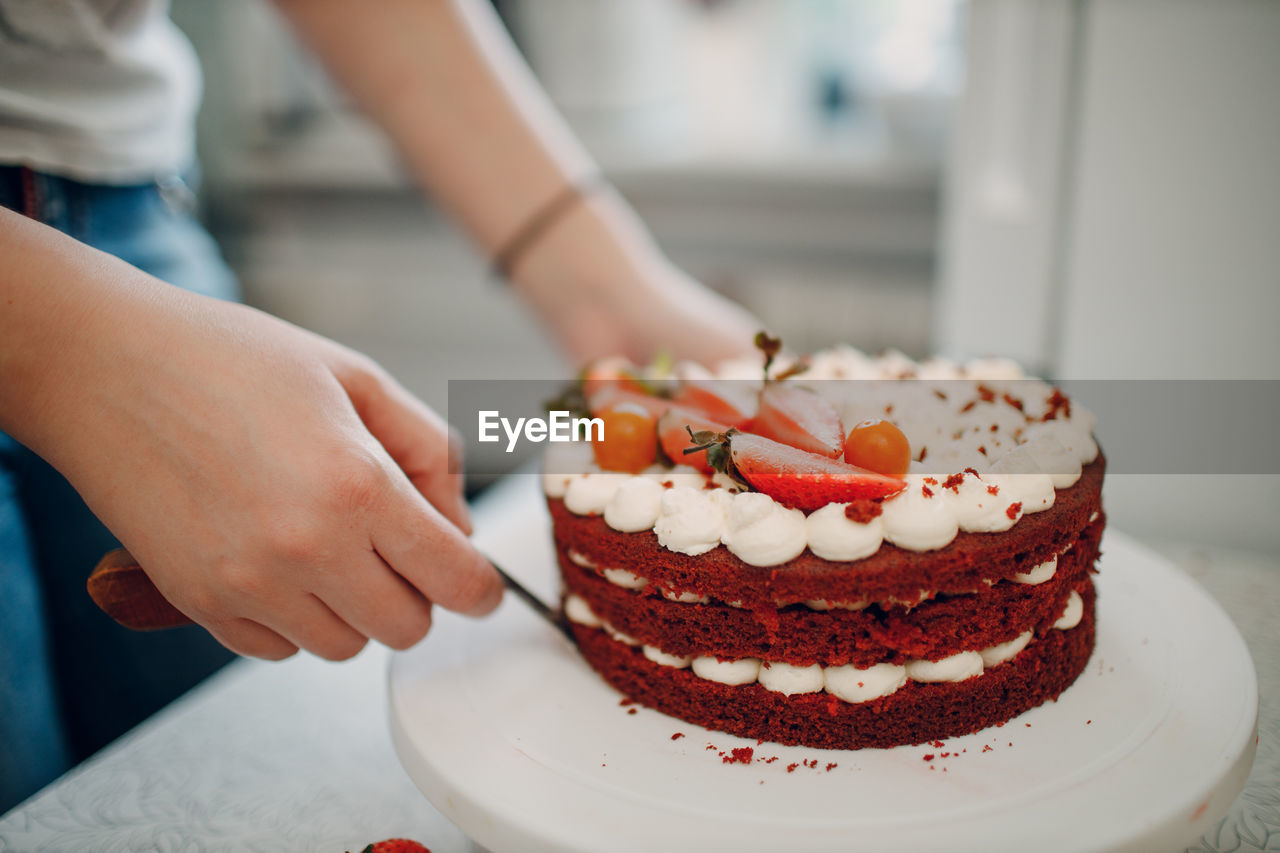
[[297, 756]]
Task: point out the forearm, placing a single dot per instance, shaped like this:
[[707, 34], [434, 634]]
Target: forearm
[[57, 297], [472, 125]]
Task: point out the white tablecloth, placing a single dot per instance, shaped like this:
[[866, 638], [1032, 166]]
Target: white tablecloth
[[296, 756]]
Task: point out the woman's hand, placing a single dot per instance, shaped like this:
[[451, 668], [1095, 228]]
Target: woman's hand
[[281, 490]]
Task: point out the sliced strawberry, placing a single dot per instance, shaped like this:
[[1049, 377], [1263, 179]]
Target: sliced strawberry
[[802, 480], [396, 845], [716, 400], [616, 373], [611, 396], [674, 437], [799, 417]]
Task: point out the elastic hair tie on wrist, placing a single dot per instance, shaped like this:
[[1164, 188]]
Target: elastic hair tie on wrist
[[537, 225]]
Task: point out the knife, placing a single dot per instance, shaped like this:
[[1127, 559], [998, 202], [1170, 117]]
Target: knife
[[122, 589]]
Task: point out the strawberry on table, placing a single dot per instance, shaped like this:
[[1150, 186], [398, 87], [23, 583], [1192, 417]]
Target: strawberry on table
[[395, 845], [803, 480], [673, 434], [800, 418]]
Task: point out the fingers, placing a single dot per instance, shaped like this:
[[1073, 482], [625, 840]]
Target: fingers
[[378, 603], [251, 639], [308, 623], [424, 447], [435, 557]]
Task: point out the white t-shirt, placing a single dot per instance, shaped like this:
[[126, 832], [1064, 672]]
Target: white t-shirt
[[99, 90]]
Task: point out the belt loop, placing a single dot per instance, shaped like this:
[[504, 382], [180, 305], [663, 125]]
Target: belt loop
[[30, 194], [176, 193]]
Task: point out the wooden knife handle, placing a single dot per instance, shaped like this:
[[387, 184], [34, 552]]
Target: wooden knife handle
[[122, 589]]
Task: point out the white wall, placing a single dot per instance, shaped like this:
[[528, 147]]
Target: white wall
[[1114, 212]]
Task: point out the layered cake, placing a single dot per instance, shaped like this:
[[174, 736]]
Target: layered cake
[[840, 552]]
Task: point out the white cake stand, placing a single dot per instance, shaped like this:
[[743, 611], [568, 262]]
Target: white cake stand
[[515, 739]]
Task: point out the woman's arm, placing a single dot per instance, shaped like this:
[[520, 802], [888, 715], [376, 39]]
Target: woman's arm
[[281, 490], [443, 79]]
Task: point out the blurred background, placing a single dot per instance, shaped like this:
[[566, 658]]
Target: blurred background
[[1091, 188]]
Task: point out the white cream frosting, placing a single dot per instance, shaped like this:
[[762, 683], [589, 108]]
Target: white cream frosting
[[762, 532], [744, 671], [685, 597], [919, 518], [788, 679], [691, 521], [1038, 573], [661, 658], [1072, 613], [1023, 458], [862, 685], [577, 610], [590, 493], [625, 578], [832, 536], [957, 667], [1001, 652], [845, 682], [625, 639], [634, 506]]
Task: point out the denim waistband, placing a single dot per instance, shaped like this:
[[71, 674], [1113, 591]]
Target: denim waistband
[[62, 202]]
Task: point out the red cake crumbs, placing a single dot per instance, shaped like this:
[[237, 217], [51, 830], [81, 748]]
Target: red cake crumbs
[[982, 448], [986, 394], [937, 744], [968, 406], [1013, 401], [863, 511], [1058, 402], [1028, 725], [986, 747], [995, 427], [831, 766], [993, 490], [791, 768], [739, 755], [771, 759], [926, 491], [711, 747], [973, 471], [954, 482], [624, 702], [677, 736], [631, 710], [1014, 509], [1088, 722], [931, 481], [924, 451], [929, 757]]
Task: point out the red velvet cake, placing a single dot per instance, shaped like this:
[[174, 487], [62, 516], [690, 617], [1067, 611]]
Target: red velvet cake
[[733, 557]]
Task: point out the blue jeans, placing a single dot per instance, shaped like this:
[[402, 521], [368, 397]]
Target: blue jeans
[[71, 680]]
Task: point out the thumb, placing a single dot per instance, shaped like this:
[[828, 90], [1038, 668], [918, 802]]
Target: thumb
[[415, 437]]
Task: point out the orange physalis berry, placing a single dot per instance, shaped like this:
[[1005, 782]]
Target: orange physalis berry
[[879, 446], [630, 439]]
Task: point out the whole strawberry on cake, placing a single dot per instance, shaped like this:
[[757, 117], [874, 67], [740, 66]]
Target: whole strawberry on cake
[[838, 551]]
